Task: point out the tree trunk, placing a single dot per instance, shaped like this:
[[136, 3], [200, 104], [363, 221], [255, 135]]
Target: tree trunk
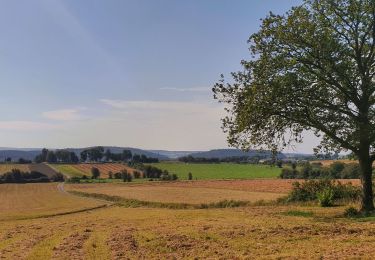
[[365, 164]]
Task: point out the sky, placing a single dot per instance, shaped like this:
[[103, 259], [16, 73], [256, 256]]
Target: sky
[[133, 73]]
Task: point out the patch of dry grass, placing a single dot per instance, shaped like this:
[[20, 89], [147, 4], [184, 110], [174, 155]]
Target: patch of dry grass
[[178, 194], [254, 232], [33, 200]]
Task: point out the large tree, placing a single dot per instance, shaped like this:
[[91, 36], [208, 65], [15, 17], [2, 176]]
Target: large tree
[[311, 69]]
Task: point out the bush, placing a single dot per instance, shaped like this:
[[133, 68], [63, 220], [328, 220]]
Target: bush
[[110, 175], [137, 174], [190, 176], [95, 173], [58, 177], [325, 197], [74, 180], [351, 171], [287, 173], [117, 175], [335, 169], [314, 189], [351, 212]]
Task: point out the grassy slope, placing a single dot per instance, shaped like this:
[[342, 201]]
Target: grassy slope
[[68, 170], [219, 171]]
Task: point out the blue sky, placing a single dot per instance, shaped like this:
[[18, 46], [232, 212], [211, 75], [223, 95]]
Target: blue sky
[[126, 73]]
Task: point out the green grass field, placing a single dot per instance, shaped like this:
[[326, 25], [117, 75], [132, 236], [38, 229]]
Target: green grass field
[[68, 170], [219, 170]]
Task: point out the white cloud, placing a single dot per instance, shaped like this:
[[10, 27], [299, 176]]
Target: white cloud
[[62, 115], [156, 106], [25, 125], [198, 89]]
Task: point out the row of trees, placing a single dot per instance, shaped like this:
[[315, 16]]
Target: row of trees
[[17, 176], [49, 156], [94, 154], [336, 170]]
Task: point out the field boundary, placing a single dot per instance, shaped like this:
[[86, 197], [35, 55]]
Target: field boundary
[[57, 214], [134, 203]]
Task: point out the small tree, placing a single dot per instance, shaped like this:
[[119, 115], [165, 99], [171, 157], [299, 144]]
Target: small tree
[[124, 175], [95, 173], [110, 175], [190, 176], [137, 174]]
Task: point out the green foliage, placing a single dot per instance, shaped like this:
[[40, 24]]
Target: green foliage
[[324, 190], [310, 69], [95, 173], [337, 170], [325, 197], [18, 176], [165, 176], [137, 174], [351, 212], [190, 176]]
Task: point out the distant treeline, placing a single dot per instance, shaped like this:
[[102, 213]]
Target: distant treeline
[[336, 170], [95, 154], [17, 176], [233, 159]]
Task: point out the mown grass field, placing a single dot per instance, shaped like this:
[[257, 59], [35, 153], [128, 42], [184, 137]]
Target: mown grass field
[[219, 170], [19, 201]]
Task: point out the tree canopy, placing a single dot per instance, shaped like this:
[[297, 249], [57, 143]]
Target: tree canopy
[[311, 69]]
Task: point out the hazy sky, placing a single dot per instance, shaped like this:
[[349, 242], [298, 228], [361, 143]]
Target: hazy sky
[[117, 72]]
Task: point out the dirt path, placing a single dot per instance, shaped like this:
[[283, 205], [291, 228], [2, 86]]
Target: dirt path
[[61, 188]]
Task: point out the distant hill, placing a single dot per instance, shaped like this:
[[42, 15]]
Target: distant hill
[[30, 153], [172, 154], [17, 154], [225, 153]]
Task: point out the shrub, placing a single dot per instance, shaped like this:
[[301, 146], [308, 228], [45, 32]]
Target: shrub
[[309, 190], [325, 197], [117, 175], [57, 177], [351, 212], [95, 173], [74, 180], [335, 169], [190, 176], [287, 173], [110, 175], [351, 171], [137, 174]]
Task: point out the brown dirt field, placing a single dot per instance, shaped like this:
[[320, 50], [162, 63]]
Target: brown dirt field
[[4, 168], [104, 168], [138, 233], [260, 185], [177, 194], [32, 200]]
